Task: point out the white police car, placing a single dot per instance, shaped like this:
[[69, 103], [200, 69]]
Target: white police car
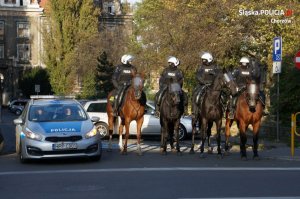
[[56, 127]]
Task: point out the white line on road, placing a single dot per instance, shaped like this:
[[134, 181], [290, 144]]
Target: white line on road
[[248, 198], [154, 169]]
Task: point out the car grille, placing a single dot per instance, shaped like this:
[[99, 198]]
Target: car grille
[[63, 139]]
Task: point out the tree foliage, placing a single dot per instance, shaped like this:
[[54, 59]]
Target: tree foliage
[[104, 74], [69, 23], [185, 28], [32, 77]]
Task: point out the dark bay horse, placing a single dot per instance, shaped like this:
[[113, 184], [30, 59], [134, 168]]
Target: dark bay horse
[[132, 108], [249, 110], [171, 110], [211, 109]]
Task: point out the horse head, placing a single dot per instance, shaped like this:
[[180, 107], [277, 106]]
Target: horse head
[[252, 94], [174, 92], [138, 85], [225, 79]]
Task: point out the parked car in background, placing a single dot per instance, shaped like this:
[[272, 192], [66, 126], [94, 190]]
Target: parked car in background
[[151, 125], [56, 127], [17, 106]]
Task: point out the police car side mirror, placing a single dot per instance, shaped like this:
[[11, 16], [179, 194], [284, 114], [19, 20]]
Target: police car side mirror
[[18, 121]]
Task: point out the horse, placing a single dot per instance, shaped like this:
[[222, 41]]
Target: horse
[[211, 109], [171, 110], [249, 110], [132, 108]]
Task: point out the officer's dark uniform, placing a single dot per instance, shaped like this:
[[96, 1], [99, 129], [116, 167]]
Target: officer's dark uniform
[[244, 74], [171, 74], [205, 75], [121, 80]]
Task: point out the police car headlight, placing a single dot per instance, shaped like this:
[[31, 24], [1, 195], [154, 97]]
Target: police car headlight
[[92, 133], [31, 135]]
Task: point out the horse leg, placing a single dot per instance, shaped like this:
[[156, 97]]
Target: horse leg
[[163, 141], [208, 133], [243, 140], [138, 135], [120, 135], [227, 134], [203, 136], [111, 121], [171, 135], [256, 127], [194, 121], [127, 122], [177, 137], [219, 125]]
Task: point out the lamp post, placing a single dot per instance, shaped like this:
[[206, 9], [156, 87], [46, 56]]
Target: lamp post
[[1, 93]]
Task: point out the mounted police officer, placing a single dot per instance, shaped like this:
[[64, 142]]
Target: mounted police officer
[[249, 69], [171, 74], [121, 80], [205, 75]]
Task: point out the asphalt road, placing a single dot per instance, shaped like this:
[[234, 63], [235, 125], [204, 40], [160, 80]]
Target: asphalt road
[[149, 176]]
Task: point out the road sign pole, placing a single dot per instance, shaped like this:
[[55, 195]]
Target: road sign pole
[[277, 122]]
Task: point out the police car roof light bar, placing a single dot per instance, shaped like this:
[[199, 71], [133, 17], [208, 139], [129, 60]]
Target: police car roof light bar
[[51, 97]]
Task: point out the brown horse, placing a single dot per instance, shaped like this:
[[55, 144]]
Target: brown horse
[[133, 108], [249, 110]]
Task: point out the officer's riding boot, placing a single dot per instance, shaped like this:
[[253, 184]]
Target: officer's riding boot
[[232, 108]]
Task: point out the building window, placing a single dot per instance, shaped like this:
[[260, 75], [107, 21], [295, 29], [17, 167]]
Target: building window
[[10, 1], [1, 30], [1, 51], [23, 30], [23, 52]]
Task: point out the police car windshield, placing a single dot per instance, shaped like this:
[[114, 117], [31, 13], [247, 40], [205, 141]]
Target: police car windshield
[[56, 112]]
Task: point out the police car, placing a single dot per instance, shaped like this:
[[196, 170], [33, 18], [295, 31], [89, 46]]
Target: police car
[[56, 127]]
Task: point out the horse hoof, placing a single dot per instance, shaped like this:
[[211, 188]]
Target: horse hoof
[[220, 156], [202, 155], [124, 152], [173, 150], [179, 153], [163, 153], [140, 153], [192, 152]]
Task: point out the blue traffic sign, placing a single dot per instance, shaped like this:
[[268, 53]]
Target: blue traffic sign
[[277, 49]]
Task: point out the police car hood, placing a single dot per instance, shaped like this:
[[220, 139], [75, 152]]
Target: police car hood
[[72, 127]]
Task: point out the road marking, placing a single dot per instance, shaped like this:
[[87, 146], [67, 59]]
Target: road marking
[[154, 169], [248, 198]]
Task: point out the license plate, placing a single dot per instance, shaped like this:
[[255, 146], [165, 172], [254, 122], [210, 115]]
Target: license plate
[[64, 146]]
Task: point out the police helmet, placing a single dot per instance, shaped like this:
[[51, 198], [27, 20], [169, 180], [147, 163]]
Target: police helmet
[[173, 60], [207, 56], [125, 59], [244, 61]]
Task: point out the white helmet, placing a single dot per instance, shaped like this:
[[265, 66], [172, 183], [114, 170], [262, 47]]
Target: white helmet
[[173, 60], [207, 56], [126, 58], [244, 61]]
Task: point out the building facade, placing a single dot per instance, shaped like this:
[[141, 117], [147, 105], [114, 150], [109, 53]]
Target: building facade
[[20, 42]]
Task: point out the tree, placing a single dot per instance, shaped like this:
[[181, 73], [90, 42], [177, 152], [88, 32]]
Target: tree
[[32, 77], [104, 74], [187, 28], [69, 23]]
